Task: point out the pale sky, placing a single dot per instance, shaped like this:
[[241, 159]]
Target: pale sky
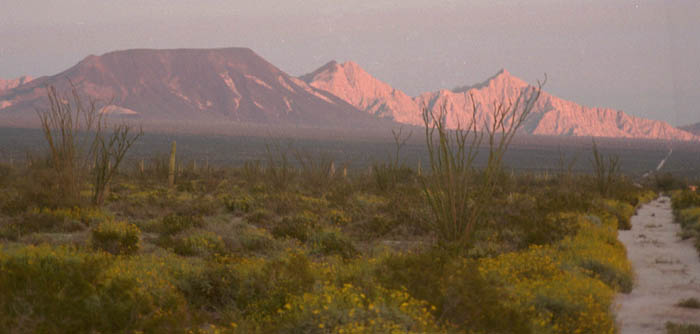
[[639, 56]]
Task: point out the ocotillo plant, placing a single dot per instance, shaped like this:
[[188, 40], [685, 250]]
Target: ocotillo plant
[[171, 169]]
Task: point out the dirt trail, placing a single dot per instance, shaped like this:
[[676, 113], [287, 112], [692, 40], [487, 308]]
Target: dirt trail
[[667, 270]]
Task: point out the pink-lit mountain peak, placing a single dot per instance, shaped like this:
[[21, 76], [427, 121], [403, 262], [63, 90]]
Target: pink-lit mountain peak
[[354, 85], [551, 115], [502, 79]]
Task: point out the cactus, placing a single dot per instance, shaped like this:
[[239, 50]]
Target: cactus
[[171, 170]]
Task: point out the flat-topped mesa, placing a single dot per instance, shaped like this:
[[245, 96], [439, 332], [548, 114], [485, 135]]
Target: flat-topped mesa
[[210, 85]]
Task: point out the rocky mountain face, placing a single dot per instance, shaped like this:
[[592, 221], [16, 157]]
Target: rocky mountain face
[[551, 115], [7, 84], [235, 85], [219, 85], [351, 83]]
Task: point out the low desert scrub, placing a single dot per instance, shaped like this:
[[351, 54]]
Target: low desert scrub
[[455, 191], [60, 290], [199, 243], [228, 251], [689, 303], [298, 226], [332, 242], [175, 223], [622, 211], [674, 328], [686, 209], [116, 237], [326, 311], [606, 171]]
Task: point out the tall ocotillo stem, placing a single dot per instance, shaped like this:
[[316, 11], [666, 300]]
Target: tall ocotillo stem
[[171, 170]]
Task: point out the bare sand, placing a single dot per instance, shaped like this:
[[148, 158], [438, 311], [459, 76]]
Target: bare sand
[[667, 270]]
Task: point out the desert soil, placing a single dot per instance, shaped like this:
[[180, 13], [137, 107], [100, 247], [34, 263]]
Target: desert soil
[[667, 270]]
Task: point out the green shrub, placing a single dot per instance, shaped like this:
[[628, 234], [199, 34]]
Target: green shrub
[[673, 328], [175, 223], [298, 227], [688, 217], [62, 290], [200, 206], [260, 216], [116, 237], [245, 238], [338, 217], [375, 226], [689, 303], [348, 310], [240, 204], [682, 199], [546, 291], [620, 280], [199, 243], [252, 287], [622, 211], [333, 242], [461, 295]]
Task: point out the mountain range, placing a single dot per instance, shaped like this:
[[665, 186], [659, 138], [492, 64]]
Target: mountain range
[[551, 115], [186, 85], [235, 85]]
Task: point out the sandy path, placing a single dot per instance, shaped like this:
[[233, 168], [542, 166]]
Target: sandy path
[[667, 270]]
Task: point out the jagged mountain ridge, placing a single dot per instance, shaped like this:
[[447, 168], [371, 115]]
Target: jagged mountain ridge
[[551, 115], [220, 85]]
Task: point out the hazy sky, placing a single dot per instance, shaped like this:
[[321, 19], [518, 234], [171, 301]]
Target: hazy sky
[[639, 56]]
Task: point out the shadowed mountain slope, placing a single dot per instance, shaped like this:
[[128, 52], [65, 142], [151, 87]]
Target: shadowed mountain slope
[[218, 85]]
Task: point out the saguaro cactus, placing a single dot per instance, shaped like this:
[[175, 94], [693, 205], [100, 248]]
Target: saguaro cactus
[[171, 170]]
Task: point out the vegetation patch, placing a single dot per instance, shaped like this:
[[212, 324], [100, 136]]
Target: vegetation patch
[[116, 237], [689, 303], [674, 328]]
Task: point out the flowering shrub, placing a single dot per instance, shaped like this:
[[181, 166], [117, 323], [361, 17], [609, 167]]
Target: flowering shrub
[[681, 199], [621, 210], [569, 286], [333, 242], [116, 237], [174, 223], [298, 226], [558, 300], [239, 204], [87, 216], [645, 197], [199, 243], [347, 309], [338, 217], [63, 290], [686, 209]]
